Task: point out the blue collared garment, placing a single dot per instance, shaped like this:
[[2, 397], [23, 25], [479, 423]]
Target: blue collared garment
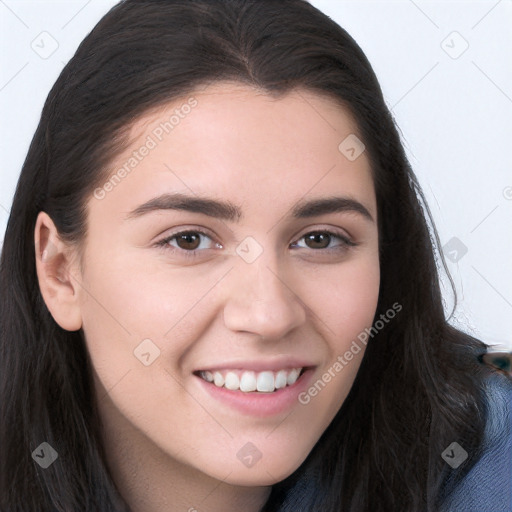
[[488, 485]]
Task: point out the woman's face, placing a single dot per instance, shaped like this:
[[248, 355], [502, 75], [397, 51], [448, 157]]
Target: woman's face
[[255, 287]]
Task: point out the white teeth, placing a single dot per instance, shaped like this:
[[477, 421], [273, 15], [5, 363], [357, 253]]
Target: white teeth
[[249, 381], [218, 379], [293, 376], [265, 382], [281, 379], [232, 381]]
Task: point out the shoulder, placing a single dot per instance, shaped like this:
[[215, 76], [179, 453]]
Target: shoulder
[[488, 485]]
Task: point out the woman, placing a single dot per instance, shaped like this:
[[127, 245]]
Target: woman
[[301, 359]]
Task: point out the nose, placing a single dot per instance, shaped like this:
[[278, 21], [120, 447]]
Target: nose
[[259, 301]]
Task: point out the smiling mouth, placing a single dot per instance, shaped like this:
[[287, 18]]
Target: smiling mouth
[[248, 381]]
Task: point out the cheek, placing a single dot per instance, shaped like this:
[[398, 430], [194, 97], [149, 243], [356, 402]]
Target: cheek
[[115, 316], [344, 307], [128, 300], [344, 298]]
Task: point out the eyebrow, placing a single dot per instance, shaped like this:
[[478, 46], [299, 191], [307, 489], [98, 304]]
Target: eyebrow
[[228, 211]]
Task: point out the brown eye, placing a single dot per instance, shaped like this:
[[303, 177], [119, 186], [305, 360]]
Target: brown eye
[[188, 241], [317, 240]]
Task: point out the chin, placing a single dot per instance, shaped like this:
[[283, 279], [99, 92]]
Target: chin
[[261, 475]]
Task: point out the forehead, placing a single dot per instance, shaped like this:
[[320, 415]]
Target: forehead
[[224, 106], [234, 141]]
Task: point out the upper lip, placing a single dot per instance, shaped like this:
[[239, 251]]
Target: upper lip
[[258, 365]]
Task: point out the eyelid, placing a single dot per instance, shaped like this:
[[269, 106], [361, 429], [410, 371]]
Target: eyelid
[[189, 229]]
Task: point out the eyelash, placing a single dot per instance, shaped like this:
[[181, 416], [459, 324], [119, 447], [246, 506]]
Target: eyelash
[[345, 245]]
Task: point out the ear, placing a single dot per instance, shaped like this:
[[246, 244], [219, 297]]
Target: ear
[[58, 278]]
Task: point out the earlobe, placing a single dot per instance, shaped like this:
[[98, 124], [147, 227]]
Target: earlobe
[[59, 286]]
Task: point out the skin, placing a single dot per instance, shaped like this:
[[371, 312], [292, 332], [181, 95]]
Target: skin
[[169, 445]]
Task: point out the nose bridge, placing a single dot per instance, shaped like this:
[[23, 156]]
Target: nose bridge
[[261, 301]]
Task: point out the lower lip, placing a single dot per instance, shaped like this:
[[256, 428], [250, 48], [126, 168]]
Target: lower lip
[[260, 404]]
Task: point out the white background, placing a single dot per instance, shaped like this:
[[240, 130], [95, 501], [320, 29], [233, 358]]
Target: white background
[[453, 108]]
